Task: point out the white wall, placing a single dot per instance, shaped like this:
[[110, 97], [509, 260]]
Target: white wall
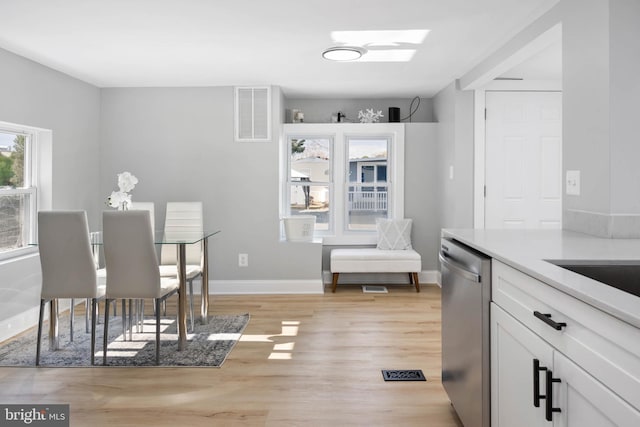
[[601, 62], [624, 93], [179, 143], [421, 198], [34, 95], [585, 68], [453, 109]]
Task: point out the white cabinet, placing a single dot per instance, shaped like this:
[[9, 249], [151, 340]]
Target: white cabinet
[[521, 360], [586, 401], [589, 362], [513, 351]]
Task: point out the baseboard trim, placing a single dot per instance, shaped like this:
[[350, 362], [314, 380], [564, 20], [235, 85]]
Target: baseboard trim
[[19, 323], [264, 287], [310, 287], [438, 278]]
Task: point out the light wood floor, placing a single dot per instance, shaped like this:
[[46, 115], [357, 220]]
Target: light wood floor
[[302, 361]]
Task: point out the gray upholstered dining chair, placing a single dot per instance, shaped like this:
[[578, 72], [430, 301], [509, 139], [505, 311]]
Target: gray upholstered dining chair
[[132, 266], [183, 216], [68, 267]]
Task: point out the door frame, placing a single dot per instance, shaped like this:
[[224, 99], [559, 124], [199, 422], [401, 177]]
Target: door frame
[[479, 133]]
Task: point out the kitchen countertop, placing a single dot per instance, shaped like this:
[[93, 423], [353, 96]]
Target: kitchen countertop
[[527, 250]]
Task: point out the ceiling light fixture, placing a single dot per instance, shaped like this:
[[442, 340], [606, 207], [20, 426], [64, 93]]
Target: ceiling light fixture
[[343, 53]]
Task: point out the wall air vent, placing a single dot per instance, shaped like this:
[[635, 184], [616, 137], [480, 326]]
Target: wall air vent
[[253, 114]]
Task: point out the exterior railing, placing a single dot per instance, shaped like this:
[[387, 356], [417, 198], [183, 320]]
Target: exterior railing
[[367, 200]]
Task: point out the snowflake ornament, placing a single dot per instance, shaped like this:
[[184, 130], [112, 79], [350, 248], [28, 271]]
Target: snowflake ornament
[[369, 116]]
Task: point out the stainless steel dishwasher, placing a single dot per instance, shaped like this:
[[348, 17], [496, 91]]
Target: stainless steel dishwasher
[[466, 294]]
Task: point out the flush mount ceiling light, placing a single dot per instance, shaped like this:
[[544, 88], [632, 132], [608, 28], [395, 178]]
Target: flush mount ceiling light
[[383, 45], [343, 53]]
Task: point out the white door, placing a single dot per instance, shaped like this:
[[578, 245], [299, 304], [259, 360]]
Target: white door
[[523, 175]]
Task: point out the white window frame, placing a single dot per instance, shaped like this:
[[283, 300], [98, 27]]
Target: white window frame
[[338, 233], [286, 194], [37, 183]]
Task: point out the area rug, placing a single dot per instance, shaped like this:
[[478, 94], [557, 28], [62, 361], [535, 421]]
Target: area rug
[[207, 346]]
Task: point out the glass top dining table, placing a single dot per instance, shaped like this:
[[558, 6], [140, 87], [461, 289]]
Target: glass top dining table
[[179, 238], [162, 237], [182, 238]]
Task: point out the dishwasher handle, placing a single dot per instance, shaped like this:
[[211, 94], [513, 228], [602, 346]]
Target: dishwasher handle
[[450, 264]]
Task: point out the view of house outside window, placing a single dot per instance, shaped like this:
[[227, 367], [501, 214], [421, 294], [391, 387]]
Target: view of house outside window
[[310, 179], [347, 175], [367, 189], [17, 197], [364, 193]]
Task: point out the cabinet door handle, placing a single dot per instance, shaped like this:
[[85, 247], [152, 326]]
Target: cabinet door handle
[[549, 409], [546, 318], [536, 383]]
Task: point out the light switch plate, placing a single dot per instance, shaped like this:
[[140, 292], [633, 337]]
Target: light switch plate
[[573, 183]]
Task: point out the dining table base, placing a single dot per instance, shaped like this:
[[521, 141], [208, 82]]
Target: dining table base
[[182, 300], [54, 342], [204, 300]]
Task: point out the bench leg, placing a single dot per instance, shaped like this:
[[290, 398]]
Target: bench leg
[[334, 282], [415, 281]]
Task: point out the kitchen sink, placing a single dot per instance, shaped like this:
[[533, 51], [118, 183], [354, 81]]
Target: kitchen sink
[[623, 275]]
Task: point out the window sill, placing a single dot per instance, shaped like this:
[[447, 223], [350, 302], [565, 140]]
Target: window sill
[[370, 239], [316, 240], [18, 255]]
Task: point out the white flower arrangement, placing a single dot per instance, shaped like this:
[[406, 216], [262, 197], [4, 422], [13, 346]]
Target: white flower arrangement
[[122, 199], [369, 116]]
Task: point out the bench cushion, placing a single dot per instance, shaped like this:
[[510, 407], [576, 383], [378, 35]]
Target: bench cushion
[[373, 260]]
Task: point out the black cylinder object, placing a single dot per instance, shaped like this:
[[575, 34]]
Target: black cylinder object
[[394, 114]]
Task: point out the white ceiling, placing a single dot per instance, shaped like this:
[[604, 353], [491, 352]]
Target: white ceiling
[[145, 43]]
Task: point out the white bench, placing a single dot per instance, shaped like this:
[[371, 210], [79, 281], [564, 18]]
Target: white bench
[[373, 260]]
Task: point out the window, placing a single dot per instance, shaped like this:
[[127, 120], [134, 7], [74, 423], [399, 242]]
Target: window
[[346, 175], [367, 187], [309, 178], [18, 197]]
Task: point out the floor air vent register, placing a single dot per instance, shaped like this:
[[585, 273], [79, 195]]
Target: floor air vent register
[[403, 375], [372, 289]]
